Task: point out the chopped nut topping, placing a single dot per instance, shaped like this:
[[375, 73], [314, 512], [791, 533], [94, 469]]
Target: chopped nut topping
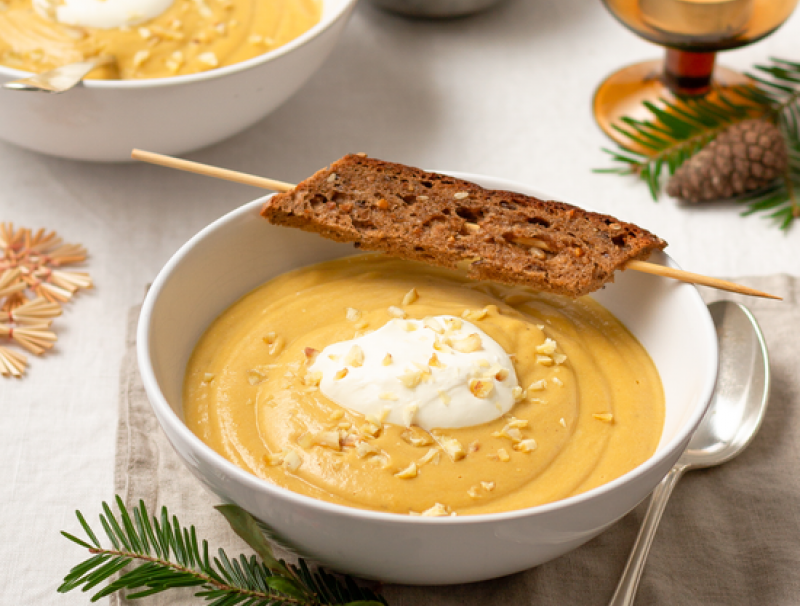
[[558, 381], [539, 385], [407, 473], [501, 374], [208, 58], [512, 433], [396, 312], [606, 417], [292, 460], [409, 412], [453, 324], [562, 422], [503, 455], [411, 378], [443, 396], [310, 352], [364, 449], [336, 415], [474, 446], [277, 346], [452, 447], [548, 347], [474, 315], [559, 358], [312, 378], [417, 436], [440, 345], [434, 325], [472, 227], [432, 456], [481, 388], [410, 297], [461, 195], [140, 57], [435, 362], [354, 357], [388, 395], [469, 344], [488, 486], [370, 429], [518, 393], [274, 458], [328, 439], [255, 376], [544, 360], [352, 314], [387, 359], [474, 491], [437, 510], [340, 374], [526, 445]]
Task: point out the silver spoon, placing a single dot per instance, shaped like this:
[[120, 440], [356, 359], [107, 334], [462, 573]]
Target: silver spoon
[[60, 79], [732, 420]]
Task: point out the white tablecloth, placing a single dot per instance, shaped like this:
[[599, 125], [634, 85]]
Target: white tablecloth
[[505, 93]]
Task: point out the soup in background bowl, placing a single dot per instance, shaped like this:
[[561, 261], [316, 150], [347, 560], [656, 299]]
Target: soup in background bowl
[[103, 120], [241, 251]]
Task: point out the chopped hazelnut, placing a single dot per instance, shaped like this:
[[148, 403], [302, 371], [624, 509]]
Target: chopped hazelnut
[[407, 473]]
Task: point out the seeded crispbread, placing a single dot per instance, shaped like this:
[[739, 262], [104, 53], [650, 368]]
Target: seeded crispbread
[[438, 219]]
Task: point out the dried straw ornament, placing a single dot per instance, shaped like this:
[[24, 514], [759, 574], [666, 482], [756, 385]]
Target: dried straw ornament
[[32, 288]]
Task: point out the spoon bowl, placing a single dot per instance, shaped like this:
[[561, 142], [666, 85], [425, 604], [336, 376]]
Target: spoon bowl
[[741, 393], [733, 418]]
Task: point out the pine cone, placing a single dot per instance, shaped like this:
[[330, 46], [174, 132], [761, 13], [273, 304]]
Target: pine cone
[[744, 157]]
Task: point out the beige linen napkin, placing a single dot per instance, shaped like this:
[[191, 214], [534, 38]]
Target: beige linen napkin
[[730, 535]]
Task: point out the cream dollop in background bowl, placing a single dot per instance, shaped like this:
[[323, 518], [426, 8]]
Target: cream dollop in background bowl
[[241, 250], [103, 120]]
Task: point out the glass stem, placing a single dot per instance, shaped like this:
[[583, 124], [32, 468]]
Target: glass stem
[[688, 74]]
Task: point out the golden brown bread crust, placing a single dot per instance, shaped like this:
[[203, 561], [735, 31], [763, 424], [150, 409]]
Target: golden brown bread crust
[[504, 236]]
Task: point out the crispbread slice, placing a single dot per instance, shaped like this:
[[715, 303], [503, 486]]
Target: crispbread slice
[[438, 219]]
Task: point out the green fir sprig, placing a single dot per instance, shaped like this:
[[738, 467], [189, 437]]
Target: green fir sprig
[[681, 128], [150, 555]]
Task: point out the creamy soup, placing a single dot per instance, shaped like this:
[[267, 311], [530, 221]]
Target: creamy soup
[[148, 38], [397, 387]]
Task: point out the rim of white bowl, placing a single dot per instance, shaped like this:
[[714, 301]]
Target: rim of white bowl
[[325, 23], [255, 483]]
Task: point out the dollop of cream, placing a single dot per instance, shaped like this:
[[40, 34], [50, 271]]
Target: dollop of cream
[[439, 372], [102, 14]]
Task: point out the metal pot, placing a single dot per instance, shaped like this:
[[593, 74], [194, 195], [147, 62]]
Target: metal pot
[[435, 8]]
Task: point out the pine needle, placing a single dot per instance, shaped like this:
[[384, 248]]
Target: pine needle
[[680, 129], [149, 555]]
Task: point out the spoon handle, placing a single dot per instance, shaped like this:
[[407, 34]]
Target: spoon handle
[[60, 79], [629, 582]]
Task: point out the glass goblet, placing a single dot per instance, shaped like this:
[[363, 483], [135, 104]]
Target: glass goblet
[[693, 31]]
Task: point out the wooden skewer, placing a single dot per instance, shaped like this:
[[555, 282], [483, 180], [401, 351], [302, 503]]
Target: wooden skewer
[[271, 184], [210, 171], [687, 276]]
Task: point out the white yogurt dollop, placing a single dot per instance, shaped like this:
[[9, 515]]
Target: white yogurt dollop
[[103, 14], [440, 372]]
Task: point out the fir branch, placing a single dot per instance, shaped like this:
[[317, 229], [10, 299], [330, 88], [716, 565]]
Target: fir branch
[[168, 556], [679, 129]]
